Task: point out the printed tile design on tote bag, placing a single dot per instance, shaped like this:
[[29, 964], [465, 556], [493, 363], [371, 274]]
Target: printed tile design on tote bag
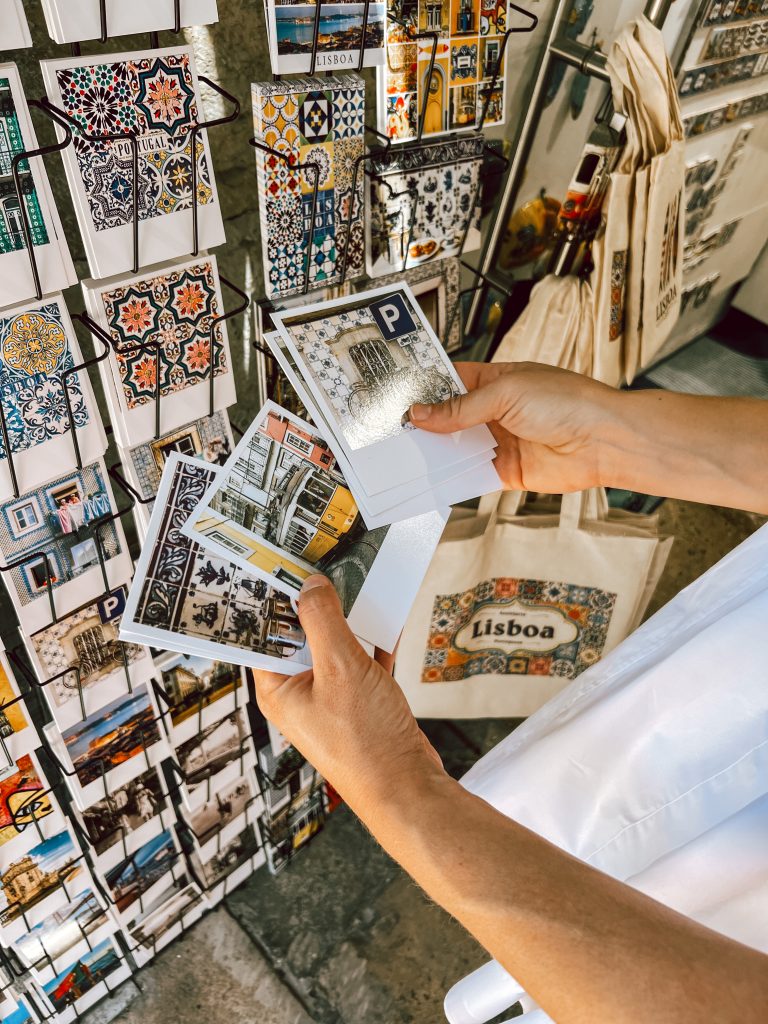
[[561, 629], [312, 121], [470, 35]]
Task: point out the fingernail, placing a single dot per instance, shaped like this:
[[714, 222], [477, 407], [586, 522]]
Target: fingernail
[[311, 582], [419, 413]]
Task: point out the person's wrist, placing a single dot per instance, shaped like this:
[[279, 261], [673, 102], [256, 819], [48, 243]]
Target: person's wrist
[[392, 790], [612, 438]]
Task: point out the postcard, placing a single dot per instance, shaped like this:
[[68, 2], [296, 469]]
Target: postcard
[[86, 980], [71, 23], [38, 346], [69, 932], [113, 745], [435, 286], [175, 909], [224, 816], [441, 489], [286, 779], [15, 1010], [14, 31], [198, 692], [51, 534], [50, 247], [366, 360], [85, 663], [29, 813], [183, 599], [139, 878], [17, 733], [230, 866], [340, 32], [424, 205], [208, 438], [135, 812], [281, 509], [174, 306], [214, 758], [309, 235], [286, 831], [468, 56], [40, 881], [155, 97]]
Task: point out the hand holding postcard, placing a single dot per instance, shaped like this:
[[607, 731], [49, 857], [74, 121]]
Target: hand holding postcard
[[366, 360], [281, 509]]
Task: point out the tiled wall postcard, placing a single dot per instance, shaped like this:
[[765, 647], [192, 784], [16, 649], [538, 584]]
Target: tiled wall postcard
[[340, 32], [423, 204], [468, 55], [37, 347], [172, 307], [51, 534], [366, 360], [317, 127], [50, 247], [153, 94], [185, 599], [86, 663], [281, 509]]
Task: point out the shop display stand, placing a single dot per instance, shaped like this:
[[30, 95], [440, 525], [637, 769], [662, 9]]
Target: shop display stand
[[589, 60]]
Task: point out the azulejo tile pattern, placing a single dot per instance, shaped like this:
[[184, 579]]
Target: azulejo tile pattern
[[154, 98], [11, 143], [189, 592], [468, 54], [34, 352], [176, 309], [588, 608], [318, 124], [421, 203]]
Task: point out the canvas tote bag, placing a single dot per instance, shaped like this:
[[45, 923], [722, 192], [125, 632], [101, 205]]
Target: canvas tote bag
[[515, 605], [668, 737]]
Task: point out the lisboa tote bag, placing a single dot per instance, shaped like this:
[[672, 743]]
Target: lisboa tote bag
[[516, 605]]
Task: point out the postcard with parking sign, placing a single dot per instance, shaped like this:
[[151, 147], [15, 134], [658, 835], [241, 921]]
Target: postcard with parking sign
[[82, 663], [366, 360], [281, 509], [187, 600]]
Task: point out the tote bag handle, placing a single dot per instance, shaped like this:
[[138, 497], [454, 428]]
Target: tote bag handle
[[576, 508]]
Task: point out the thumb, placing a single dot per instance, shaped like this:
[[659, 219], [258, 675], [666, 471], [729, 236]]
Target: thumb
[[480, 406], [330, 639]]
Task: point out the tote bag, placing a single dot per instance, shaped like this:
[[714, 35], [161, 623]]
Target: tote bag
[[514, 606], [668, 737]]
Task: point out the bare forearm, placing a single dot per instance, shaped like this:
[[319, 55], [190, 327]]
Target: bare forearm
[[697, 448], [584, 946]]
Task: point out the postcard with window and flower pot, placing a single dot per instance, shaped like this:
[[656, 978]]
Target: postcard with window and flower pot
[[163, 314]]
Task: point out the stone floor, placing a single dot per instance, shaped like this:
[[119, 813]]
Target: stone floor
[[342, 936]]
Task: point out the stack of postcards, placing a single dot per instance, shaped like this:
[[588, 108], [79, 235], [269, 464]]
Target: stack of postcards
[[168, 379], [54, 264], [291, 31], [70, 23], [153, 97], [14, 31], [358, 494]]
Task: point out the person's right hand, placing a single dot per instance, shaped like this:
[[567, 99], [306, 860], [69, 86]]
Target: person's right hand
[[550, 424]]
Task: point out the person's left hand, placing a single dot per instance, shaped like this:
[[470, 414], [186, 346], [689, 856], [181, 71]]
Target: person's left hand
[[346, 714]]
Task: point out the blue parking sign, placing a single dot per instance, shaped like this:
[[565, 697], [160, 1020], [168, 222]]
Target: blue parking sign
[[392, 316]]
